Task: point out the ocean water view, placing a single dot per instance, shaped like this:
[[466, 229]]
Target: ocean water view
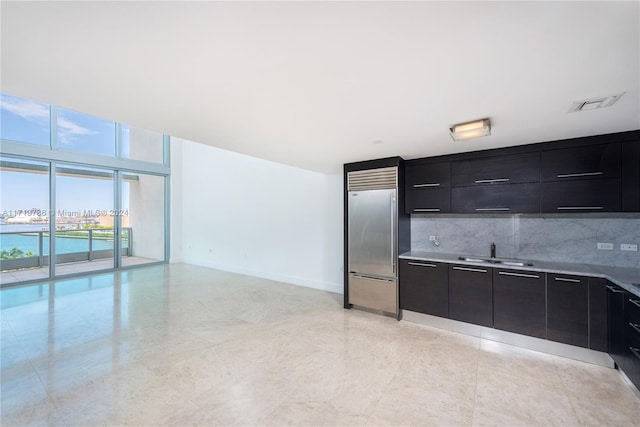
[[29, 242]]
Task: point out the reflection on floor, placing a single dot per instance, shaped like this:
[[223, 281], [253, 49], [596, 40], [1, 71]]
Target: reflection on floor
[[26, 274], [185, 345]]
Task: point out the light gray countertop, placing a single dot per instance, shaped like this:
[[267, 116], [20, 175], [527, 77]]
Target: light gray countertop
[[626, 278]]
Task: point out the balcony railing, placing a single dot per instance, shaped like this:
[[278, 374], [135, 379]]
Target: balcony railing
[[41, 259]]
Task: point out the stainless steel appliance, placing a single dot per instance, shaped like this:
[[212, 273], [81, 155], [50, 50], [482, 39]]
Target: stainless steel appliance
[[373, 238]]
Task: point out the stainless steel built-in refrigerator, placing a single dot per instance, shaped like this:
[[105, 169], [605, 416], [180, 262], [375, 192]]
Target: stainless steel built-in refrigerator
[[373, 239]]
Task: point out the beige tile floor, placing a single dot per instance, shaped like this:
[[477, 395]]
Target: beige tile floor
[[183, 345]]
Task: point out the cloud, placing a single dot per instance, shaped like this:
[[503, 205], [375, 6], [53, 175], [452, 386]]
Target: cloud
[[28, 110], [68, 130]]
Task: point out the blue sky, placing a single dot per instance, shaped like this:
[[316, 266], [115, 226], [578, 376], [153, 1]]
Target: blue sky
[[28, 121], [29, 190]]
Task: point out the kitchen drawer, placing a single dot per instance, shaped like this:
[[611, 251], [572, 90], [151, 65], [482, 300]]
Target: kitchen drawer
[[632, 309], [516, 198], [471, 294], [511, 169], [568, 309], [597, 195], [632, 334], [434, 200], [424, 287], [377, 294], [431, 175], [587, 162]]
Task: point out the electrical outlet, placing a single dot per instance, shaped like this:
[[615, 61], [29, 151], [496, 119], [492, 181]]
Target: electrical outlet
[[433, 238], [607, 246], [628, 247]]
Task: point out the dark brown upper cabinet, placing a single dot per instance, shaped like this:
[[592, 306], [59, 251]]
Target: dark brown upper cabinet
[[427, 176], [435, 200], [513, 198], [512, 169], [591, 195], [631, 176], [589, 162], [591, 174], [428, 188]]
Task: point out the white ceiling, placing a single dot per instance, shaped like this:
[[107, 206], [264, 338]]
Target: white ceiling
[[314, 84]]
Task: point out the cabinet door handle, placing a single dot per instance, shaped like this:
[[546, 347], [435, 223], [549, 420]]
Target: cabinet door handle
[[528, 276], [475, 270], [579, 208], [635, 351], [634, 326], [614, 290], [427, 210], [489, 181], [435, 184], [635, 302], [492, 209], [418, 264], [564, 279], [574, 175]]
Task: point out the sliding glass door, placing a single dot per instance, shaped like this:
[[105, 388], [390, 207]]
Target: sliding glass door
[[84, 220]]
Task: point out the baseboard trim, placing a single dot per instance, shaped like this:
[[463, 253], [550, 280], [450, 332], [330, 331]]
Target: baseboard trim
[[517, 340], [294, 280]]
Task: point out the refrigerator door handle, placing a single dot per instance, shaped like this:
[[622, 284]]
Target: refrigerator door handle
[[364, 276], [393, 235]]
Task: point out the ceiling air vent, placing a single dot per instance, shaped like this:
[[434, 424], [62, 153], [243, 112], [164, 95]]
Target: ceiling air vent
[[595, 103]]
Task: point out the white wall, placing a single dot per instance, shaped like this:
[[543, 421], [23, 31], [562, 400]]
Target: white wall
[[146, 202], [256, 217]]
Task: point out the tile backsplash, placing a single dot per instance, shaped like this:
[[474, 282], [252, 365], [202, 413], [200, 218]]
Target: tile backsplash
[[532, 237]]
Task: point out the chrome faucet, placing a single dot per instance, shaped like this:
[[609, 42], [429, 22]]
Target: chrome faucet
[[493, 250]]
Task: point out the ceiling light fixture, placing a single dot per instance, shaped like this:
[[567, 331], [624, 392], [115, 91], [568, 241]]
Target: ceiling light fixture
[[469, 130]]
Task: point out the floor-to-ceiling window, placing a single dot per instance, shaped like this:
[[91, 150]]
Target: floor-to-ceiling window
[[24, 230], [98, 188]]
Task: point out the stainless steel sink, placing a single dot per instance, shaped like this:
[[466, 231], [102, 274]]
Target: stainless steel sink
[[473, 259], [516, 263], [510, 262]]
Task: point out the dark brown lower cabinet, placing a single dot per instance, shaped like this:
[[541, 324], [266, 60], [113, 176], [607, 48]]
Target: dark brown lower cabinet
[[424, 287], [615, 300], [598, 325], [471, 294], [568, 309], [632, 337], [624, 331], [519, 302]]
